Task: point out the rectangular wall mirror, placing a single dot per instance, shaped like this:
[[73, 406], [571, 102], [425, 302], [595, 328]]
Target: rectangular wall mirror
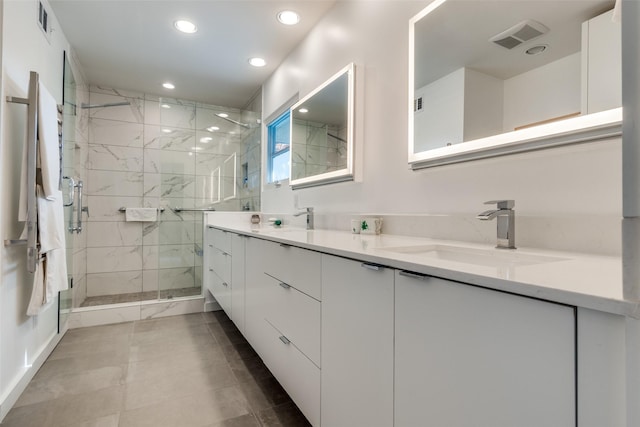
[[322, 133], [489, 78]]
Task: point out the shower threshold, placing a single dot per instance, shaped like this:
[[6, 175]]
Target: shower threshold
[[140, 296]]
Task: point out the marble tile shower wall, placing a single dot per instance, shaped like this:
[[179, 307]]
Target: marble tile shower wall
[[322, 148], [162, 153]]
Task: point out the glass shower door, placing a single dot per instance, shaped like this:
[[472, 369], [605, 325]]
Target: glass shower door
[[68, 138]]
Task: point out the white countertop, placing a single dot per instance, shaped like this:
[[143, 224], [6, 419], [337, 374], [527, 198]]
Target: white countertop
[[576, 279]]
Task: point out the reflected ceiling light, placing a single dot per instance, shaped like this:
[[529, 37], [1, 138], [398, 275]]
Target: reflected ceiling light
[[288, 17], [223, 115], [196, 148], [257, 62], [303, 110], [185, 26], [165, 106], [213, 128], [168, 85], [167, 130], [206, 139]]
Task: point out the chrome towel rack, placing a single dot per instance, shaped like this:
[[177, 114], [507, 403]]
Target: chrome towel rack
[[123, 209], [32, 147]]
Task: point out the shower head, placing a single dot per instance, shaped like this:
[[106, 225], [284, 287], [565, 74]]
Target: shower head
[[112, 104], [244, 125]]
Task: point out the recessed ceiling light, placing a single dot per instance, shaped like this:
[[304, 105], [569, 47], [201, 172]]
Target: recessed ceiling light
[[165, 106], [223, 115], [167, 130], [536, 50], [288, 17], [206, 139], [303, 110], [213, 128], [168, 85], [185, 26], [257, 62]]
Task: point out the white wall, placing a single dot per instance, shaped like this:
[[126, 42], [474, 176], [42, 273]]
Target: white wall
[[22, 339], [577, 180]]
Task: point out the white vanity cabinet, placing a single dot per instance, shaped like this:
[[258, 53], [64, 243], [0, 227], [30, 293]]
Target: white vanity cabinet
[[218, 266], [469, 356], [357, 343], [238, 279], [283, 318]]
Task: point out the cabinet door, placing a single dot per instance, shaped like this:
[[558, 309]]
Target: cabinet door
[[357, 344], [468, 356], [238, 280]]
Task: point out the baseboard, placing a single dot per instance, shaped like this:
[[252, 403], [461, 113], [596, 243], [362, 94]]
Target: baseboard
[[19, 387]]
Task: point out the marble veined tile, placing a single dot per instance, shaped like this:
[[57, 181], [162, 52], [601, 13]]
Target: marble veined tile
[[177, 185], [177, 162], [115, 92], [169, 138], [110, 233], [133, 113], [152, 160], [174, 233], [114, 283], [114, 158], [174, 256], [178, 116], [105, 208], [152, 185], [208, 162], [165, 309], [171, 278], [109, 183], [123, 258], [112, 132]]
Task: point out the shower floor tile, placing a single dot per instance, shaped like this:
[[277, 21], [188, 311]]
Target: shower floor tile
[[180, 371], [140, 296]]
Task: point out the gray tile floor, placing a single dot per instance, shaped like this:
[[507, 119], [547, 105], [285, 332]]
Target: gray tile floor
[[182, 371]]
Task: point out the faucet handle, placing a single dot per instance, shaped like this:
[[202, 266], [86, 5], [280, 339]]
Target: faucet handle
[[502, 204]]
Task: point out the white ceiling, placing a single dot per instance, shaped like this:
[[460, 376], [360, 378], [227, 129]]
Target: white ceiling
[[132, 44]]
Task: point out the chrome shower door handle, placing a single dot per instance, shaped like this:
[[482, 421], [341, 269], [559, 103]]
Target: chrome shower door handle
[[78, 227], [71, 191]]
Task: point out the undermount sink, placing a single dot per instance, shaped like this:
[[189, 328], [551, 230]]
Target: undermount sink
[[483, 257]]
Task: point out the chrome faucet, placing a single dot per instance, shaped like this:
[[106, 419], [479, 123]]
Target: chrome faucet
[[506, 222], [309, 213]]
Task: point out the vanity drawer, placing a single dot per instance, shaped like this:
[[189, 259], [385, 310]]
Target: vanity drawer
[[219, 239], [296, 267], [294, 371], [221, 291], [295, 315], [220, 262]]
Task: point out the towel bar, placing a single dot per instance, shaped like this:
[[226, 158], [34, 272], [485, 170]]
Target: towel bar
[[123, 209]]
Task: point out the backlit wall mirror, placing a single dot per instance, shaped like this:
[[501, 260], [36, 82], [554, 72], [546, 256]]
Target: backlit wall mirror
[[322, 133], [494, 77]]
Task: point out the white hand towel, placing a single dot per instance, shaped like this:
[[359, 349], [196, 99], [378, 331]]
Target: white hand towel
[[51, 228], [48, 142], [141, 214]]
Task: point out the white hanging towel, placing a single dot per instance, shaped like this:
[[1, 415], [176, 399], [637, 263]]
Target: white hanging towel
[[51, 270], [48, 155], [48, 142], [141, 214]]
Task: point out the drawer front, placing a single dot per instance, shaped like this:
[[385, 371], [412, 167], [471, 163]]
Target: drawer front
[[220, 262], [295, 315], [297, 267], [219, 239], [294, 371], [221, 291]]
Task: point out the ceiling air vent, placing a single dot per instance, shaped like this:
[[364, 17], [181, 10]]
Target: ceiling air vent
[[519, 33]]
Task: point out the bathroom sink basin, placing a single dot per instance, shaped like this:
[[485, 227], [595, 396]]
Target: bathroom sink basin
[[483, 257]]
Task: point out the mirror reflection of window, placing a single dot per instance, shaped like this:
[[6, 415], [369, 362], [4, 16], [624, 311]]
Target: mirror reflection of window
[[279, 156]]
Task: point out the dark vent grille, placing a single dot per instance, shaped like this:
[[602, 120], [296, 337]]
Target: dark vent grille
[[417, 104]]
